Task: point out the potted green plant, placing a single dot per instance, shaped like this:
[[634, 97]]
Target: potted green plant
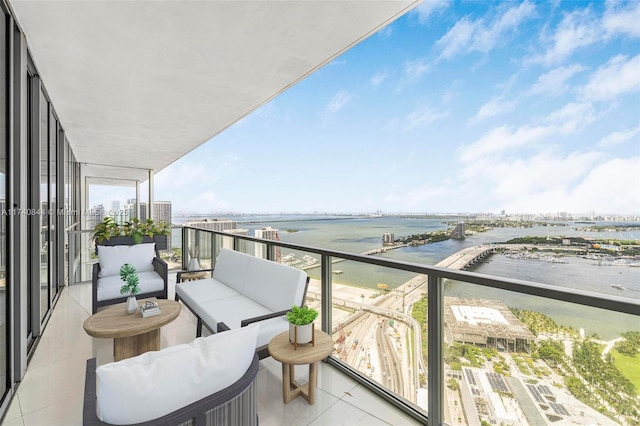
[[301, 329], [133, 231], [130, 287]]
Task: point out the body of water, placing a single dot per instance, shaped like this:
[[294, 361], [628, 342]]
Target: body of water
[[362, 234]]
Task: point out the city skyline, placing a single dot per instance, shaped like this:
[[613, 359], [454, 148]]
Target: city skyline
[[455, 107]]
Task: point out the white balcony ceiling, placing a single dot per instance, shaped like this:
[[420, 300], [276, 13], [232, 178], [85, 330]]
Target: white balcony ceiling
[[139, 84]]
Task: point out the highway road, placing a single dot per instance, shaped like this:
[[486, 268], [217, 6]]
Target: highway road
[[368, 342]]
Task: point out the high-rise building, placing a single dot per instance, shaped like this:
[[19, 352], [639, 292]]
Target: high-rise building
[[458, 232], [221, 225], [161, 211], [387, 239], [267, 233]]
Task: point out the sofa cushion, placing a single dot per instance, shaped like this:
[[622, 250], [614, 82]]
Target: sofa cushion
[[111, 258], [154, 384], [231, 268], [232, 310], [273, 285], [109, 287], [200, 291]]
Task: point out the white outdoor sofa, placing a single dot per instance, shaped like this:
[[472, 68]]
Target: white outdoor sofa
[[242, 290]]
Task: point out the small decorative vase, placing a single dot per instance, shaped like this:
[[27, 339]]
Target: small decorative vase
[[132, 305], [300, 334], [193, 265]]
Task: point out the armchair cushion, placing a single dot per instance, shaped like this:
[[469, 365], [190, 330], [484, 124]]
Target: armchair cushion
[[154, 384], [111, 258], [109, 286]]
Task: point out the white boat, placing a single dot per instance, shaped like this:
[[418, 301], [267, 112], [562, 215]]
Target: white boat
[[618, 286]]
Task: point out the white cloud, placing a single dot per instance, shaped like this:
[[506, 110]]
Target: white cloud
[[582, 28], [423, 116], [502, 139], [469, 35], [495, 107], [457, 39], [619, 76], [576, 30], [571, 117], [430, 7], [378, 78], [616, 180], [555, 81], [415, 69], [624, 20], [618, 138], [339, 101]]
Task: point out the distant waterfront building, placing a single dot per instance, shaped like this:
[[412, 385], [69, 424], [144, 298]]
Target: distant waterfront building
[[220, 225], [387, 239], [161, 211], [267, 233], [458, 232]]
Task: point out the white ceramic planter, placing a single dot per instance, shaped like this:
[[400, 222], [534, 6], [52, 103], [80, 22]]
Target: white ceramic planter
[[131, 305], [305, 333], [194, 265]]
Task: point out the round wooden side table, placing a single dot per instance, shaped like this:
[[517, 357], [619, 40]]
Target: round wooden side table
[[132, 335], [282, 350]]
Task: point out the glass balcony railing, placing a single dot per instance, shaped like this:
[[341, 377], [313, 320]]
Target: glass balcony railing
[[462, 348], [456, 347]]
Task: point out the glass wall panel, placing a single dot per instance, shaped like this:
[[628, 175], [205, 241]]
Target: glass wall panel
[[53, 204], [4, 314], [512, 358], [44, 206], [377, 326]]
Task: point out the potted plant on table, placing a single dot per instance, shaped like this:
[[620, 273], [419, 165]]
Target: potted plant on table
[[131, 287], [301, 329]]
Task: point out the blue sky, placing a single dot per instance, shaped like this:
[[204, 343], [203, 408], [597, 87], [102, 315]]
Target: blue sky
[[459, 106]]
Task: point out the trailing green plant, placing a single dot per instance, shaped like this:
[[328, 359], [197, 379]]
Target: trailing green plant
[[301, 315], [106, 229], [129, 275], [134, 228]]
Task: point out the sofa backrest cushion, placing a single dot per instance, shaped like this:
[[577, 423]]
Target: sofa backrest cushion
[[273, 285], [231, 268], [111, 258], [154, 384]]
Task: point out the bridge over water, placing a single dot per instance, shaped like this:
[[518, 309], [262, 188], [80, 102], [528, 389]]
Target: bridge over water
[[466, 257]]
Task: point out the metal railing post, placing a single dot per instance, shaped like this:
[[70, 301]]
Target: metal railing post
[[185, 246], [435, 357], [72, 257], [325, 294]]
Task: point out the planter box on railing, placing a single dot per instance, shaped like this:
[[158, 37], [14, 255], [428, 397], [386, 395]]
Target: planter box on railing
[[160, 240]]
